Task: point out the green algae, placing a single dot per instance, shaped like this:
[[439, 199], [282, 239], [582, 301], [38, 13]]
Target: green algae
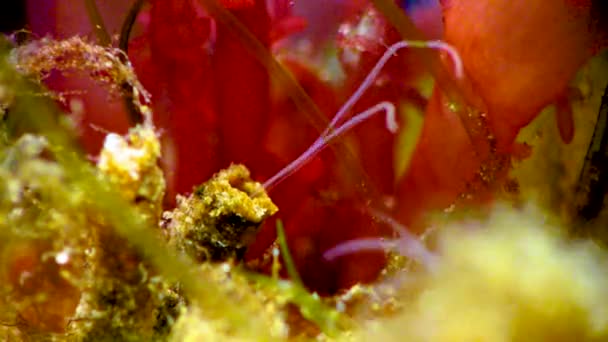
[[289, 263]]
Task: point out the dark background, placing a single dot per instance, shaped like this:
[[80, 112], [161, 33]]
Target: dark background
[[600, 12], [12, 15]]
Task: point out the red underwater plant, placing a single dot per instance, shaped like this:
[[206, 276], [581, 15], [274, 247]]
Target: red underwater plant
[[512, 72], [217, 104], [216, 100]]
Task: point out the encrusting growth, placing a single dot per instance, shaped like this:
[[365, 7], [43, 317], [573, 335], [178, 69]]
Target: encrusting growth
[[220, 218]]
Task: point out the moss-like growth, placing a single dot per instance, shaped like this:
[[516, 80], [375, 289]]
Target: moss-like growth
[[42, 241], [106, 65], [64, 270], [131, 164], [194, 325], [125, 298]]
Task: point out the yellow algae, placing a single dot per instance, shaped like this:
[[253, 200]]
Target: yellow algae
[[513, 278], [219, 220], [131, 164]]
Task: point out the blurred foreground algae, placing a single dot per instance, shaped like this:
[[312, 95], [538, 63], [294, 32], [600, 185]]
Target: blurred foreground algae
[[94, 198], [85, 254], [513, 276]]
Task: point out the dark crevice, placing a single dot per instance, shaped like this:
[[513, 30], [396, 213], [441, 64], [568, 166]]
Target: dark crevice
[[593, 181], [12, 15]]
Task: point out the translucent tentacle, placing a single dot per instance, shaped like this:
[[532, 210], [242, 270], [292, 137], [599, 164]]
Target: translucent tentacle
[[390, 52], [406, 245], [322, 141], [332, 132]]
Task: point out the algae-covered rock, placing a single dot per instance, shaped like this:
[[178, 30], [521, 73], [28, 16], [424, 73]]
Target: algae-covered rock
[[131, 164], [219, 220]]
